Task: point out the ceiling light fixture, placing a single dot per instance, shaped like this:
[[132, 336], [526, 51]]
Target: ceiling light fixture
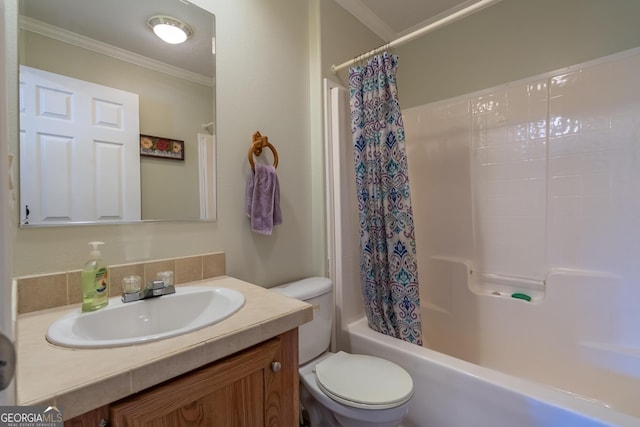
[[171, 30]]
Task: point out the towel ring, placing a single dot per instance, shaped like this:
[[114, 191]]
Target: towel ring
[[260, 142]]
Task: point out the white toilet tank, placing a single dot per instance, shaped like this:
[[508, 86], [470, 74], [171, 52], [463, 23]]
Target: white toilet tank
[[314, 337]]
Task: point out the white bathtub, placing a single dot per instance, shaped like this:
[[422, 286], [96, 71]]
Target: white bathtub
[[450, 392]]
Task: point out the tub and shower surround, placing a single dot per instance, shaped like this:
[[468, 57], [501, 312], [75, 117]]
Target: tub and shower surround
[[531, 188]]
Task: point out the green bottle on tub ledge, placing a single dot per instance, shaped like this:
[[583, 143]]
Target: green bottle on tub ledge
[[95, 281]]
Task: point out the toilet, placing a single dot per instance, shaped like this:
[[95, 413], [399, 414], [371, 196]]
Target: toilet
[[342, 389]]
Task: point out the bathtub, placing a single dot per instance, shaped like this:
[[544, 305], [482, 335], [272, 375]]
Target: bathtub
[[450, 392]]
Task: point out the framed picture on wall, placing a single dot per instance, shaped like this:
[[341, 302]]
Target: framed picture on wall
[[157, 146]]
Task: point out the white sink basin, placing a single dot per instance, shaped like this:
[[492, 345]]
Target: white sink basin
[[119, 324]]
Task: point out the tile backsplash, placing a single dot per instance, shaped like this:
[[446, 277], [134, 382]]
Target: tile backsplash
[[51, 290]]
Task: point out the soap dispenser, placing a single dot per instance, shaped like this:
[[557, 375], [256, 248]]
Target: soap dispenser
[[95, 281]]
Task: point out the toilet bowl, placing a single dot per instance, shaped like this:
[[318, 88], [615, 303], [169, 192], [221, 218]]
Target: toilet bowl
[[342, 389], [384, 410]]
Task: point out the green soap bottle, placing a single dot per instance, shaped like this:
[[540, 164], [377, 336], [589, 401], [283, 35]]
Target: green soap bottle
[[95, 281]]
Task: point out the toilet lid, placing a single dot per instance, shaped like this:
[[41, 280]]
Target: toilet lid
[[364, 381]]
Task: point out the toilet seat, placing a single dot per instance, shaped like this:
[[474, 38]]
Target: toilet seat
[[363, 381]]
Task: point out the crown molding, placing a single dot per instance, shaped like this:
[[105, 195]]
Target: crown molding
[[363, 14], [78, 40]]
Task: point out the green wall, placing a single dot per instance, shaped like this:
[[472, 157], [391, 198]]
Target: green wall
[[511, 40]]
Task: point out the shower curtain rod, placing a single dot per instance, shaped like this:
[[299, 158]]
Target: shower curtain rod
[[418, 33]]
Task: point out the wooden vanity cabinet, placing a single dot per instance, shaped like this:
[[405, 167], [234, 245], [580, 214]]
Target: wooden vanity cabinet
[[253, 388]]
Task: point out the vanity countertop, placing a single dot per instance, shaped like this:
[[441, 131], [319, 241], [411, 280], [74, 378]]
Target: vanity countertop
[[79, 380]]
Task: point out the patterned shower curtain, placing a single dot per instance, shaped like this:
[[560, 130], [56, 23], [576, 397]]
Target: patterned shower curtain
[[388, 269]]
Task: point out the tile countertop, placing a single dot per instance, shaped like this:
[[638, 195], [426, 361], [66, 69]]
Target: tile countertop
[[79, 380]]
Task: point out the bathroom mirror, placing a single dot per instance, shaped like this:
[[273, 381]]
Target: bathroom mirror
[[109, 44]]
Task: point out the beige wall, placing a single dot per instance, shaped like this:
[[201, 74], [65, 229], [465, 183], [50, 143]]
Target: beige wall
[[511, 40], [262, 84]]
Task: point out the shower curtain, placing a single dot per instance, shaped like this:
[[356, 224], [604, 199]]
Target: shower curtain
[[388, 269]]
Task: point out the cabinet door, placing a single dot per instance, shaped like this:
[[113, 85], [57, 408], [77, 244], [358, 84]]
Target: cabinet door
[[240, 391], [282, 387]]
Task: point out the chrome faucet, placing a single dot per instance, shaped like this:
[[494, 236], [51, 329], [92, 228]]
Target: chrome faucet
[[154, 288]]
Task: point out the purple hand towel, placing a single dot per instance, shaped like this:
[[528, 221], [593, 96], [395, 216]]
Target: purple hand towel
[[263, 199]]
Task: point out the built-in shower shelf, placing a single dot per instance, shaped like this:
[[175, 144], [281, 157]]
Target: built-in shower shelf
[[498, 285]]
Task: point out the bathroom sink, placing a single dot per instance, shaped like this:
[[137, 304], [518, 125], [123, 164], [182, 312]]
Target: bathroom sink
[[120, 324]]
